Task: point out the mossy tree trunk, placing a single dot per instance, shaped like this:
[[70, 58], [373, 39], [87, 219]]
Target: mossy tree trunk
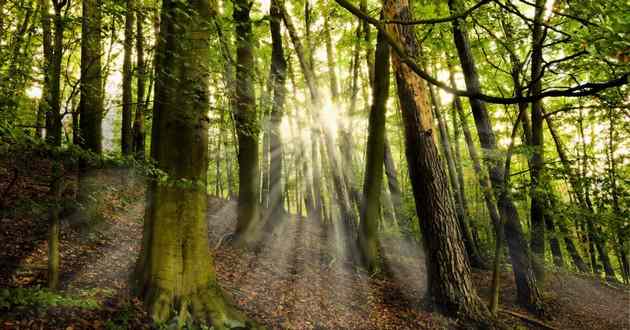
[[450, 281], [375, 157], [175, 273]]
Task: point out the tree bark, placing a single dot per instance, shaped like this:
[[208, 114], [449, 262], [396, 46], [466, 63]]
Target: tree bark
[[450, 282], [375, 156], [247, 127], [126, 137], [53, 115], [462, 216], [526, 284], [91, 106], [392, 180], [175, 272]]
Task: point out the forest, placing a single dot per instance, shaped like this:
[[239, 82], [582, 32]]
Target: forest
[[314, 164]]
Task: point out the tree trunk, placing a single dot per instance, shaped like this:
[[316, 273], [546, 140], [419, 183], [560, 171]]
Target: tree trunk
[[392, 179], [554, 243], [247, 127], [537, 159], [450, 282], [126, 137], [53, 228], [527, 287], [53, 116], [278, 77], [462, 216], [138, 123], [91, 83], [375, 156], [44, 105], [175, 272]]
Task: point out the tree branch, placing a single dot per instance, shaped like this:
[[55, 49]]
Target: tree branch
[[438, 20], [579, 90]]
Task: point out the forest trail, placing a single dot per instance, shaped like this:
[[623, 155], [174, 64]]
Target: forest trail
[[297, 279]]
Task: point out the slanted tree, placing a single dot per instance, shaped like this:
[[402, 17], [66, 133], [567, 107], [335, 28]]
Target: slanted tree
[[374, 160], [450, 281], [174, 273]]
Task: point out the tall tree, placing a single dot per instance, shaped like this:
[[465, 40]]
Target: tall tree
[[450, 282], [537, 210], [474, 256], [374, 159], [138, 122], [247, 127], [47, 52], [91, 104], [527, 288], [278, 81], [175, 272]]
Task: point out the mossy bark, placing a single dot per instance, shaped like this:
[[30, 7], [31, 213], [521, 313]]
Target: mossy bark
[[175, 273]]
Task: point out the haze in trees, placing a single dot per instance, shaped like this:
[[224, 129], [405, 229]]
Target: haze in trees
[[314, 164]]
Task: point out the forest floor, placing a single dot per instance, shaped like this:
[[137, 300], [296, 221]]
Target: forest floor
[[297, 279]]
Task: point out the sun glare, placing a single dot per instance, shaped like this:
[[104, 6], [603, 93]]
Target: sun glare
[[34, 92]]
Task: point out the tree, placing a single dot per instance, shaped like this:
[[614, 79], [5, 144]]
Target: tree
[[527, 288], [174, 273], [278, 79], [537, 160], [450, 282], [126, 139], [138, 123], [247, 127], [91, 104], [375, 157]]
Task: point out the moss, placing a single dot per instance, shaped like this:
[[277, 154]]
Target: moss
[[11, 298]]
